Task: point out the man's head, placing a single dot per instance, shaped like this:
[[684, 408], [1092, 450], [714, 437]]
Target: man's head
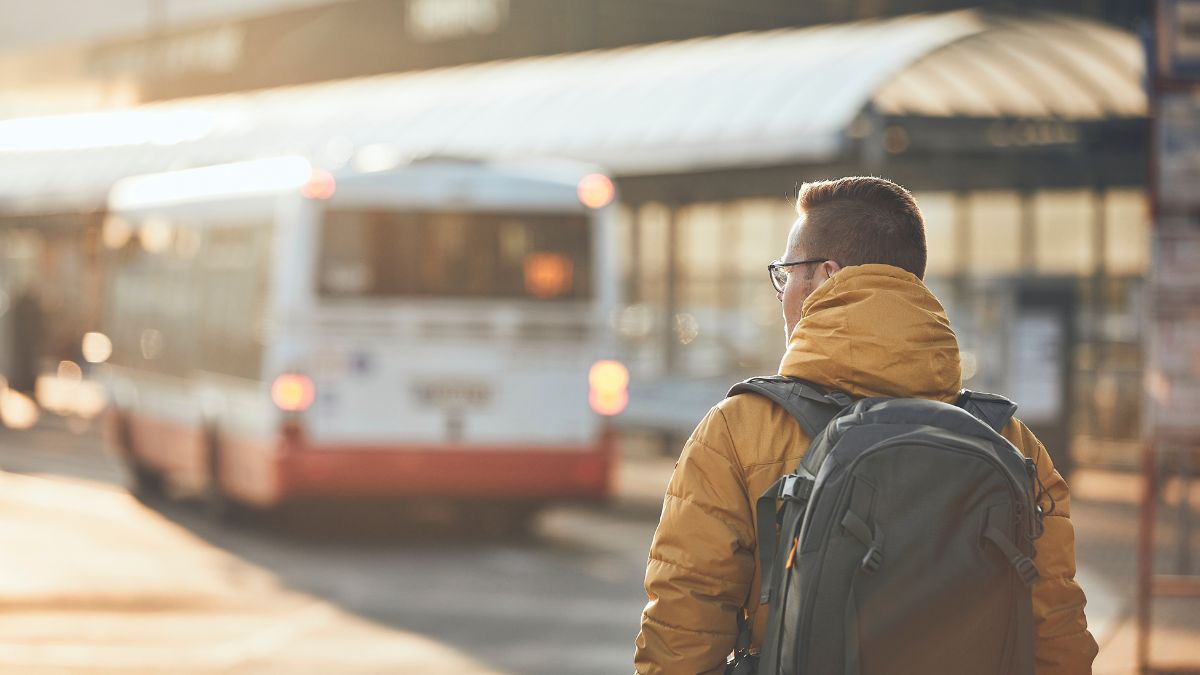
[[857, 220]]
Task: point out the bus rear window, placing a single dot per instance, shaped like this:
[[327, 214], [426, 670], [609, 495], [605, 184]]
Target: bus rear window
[[395, 254]]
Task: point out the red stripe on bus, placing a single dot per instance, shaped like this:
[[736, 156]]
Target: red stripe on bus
[[268, 471]]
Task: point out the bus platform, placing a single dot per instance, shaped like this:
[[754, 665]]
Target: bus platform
[[153, 597]]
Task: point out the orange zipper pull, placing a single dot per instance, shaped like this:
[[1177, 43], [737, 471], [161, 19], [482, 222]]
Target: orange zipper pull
[[792, 553]]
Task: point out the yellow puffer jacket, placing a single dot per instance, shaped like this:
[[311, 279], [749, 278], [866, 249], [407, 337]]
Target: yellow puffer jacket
[[871, 330]]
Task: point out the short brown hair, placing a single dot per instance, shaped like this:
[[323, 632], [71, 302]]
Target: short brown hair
[[860, 220]]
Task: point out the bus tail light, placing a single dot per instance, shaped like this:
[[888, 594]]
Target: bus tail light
[[321, 186], [293, 393], [595, 190], [608, 383]]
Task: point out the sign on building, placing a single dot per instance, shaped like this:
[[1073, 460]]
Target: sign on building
[[1178, 142], [435, 20], [1173, 346], [1179, 31]]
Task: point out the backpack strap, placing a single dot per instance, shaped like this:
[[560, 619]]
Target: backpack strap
[[792, 487], [813, 409], [992, 409]]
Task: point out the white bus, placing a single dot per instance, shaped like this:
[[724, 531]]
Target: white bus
[[436, 330]]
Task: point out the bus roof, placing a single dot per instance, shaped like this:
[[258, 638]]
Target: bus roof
[[426, 181]]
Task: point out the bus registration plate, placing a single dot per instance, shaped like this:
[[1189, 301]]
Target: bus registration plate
[[453, 393]]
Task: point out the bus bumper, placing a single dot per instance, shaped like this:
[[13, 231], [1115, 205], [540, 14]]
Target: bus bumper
[[518, 473]]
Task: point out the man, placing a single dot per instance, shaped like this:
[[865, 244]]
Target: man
[[28, 334], [859, 320]]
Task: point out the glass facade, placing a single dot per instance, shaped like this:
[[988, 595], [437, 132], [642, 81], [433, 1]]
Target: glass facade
[[992, 253]]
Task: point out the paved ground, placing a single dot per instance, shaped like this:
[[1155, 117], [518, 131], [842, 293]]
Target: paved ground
[[1106, 515], [92, 581]]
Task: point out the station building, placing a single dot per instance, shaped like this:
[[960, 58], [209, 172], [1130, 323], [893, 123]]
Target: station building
[[1023, 136]]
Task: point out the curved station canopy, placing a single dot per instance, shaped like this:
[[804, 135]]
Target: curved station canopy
[[744, 100]]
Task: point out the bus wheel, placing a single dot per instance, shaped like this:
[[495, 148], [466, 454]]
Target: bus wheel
[[218, 505], [507, 521], [521, 520], [144, 482]]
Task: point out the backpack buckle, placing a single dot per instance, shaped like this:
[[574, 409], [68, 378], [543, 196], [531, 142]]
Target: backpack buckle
[[1026, 570], [872, 560], [796, 488]]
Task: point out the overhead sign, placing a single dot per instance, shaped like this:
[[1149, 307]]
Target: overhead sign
[[1179, 55], [1174, 342], [205, 51], [1179, 150], [435, 20]]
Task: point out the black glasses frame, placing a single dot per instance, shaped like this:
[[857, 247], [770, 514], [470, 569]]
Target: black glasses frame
[[779, 266]]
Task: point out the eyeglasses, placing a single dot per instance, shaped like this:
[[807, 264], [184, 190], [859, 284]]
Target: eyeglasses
[[779, 271]]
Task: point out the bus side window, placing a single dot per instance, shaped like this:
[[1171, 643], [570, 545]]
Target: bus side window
[[232, 279]]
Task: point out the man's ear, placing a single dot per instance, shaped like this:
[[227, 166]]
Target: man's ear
[[830, 267]]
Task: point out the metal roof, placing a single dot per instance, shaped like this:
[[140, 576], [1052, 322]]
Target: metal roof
[[748, 99], [1053, 66]]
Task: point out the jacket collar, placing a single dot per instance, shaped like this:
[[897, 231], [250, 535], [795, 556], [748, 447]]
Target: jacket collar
[[875, 330]]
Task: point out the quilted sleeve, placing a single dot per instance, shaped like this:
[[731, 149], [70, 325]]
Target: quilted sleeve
[[701, 560], [1063, 644]]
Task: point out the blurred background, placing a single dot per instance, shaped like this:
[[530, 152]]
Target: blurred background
[[392, 315]]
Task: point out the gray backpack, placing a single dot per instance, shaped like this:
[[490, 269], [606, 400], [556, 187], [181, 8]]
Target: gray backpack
[[903, 544]]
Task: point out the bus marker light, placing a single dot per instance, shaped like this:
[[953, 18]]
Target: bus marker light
[[321, 186], [293, 393], [608, 376], [595, 190], [609, 387], [608, 403]]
